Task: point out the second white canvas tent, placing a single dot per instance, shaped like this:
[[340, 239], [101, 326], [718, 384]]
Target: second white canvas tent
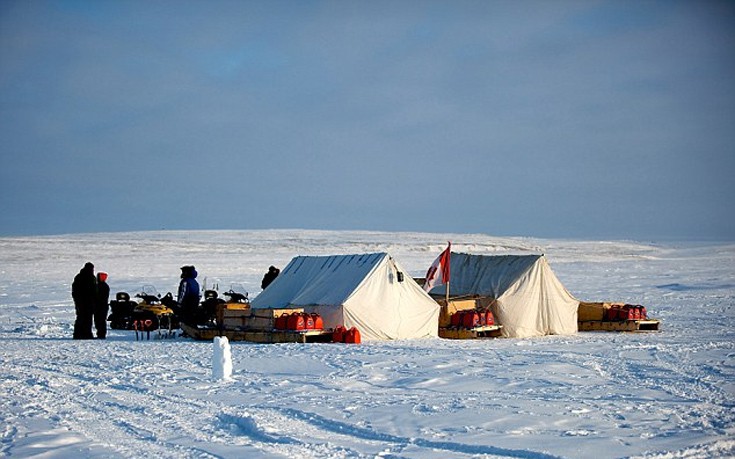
[[368, 291], [529, 300]]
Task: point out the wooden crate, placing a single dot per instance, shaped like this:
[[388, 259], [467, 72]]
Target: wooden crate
[[231, 310], [591, 311]]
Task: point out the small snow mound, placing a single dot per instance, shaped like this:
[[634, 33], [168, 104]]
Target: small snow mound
[[222, 359]]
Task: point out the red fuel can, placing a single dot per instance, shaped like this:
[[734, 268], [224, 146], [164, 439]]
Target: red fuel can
[[318, 321], [353, 336], [456, 319], [339, 334], [308, 321], [489, 318], [296, 322], [470, 319], [281, 322]]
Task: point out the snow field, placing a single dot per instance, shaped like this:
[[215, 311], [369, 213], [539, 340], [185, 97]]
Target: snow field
[[604, 395]]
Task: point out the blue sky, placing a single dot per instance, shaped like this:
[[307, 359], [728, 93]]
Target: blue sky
[[524, 118]]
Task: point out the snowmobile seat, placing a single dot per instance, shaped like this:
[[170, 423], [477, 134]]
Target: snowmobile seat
[[122, 296], [237, 297], [209, 306], [122, 311]]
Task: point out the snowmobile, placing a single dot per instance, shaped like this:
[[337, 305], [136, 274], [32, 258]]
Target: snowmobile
[[150, 311]]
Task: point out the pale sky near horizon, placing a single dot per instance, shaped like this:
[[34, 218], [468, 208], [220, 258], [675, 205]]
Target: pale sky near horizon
[[562, 119]]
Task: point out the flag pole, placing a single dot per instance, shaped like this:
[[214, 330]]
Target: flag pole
[[449, 255]]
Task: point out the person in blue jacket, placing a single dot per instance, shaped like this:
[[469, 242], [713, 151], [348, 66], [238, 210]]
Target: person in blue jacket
[[188, 297]]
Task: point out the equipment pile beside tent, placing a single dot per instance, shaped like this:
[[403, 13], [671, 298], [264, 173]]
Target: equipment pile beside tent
[[601, 316]]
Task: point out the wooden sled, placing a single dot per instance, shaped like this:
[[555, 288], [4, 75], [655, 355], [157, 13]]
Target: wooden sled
[[208, 333], [619, 325], [487, 331]]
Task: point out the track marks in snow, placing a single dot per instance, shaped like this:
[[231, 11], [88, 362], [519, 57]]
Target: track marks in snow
[[247, 426], [282, 425], [126, 419], [274, 434]]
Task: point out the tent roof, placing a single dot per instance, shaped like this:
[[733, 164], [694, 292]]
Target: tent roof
[[487, 275], [318, 280]]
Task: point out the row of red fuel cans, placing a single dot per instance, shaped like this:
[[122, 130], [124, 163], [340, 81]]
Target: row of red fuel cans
[[299, 321], [471, 319], [625, 312]]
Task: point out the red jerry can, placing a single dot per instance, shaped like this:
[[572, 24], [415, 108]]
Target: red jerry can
[[612, 313], [643, 313], [456, 319], [308, 321], [318, 322], [489, 318], [470, 319], [628, 312], [296, 322], [281, 322], [352, 336], [339, 334]]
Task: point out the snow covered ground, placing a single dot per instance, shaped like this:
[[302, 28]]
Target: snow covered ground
[[604, 395]]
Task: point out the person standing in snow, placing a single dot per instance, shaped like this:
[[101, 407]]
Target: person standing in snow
[[101, 306], [84, 293], [269, 277], [188, 298]]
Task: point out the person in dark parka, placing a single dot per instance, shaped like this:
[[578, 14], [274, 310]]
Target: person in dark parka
[[269, 277], [101, 306], [188, 297], [84, 293]]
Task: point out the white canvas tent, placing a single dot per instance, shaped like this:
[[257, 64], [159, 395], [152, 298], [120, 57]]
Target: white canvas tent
[[368, 291], [529, 300]]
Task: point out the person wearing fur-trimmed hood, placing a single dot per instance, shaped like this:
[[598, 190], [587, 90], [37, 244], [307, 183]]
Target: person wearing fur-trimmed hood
[[188, 297]]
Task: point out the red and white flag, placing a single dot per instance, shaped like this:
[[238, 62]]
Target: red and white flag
[[438, 273]]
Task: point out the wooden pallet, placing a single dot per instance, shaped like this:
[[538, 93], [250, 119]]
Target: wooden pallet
[[487, 331], [619, 325], [259, 336]]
